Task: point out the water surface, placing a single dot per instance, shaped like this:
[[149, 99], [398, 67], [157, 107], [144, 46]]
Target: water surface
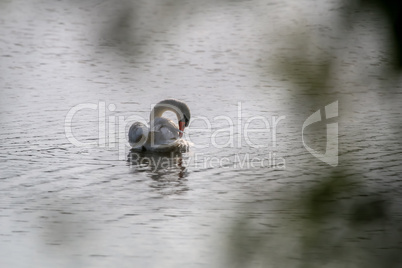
[[92, 206]]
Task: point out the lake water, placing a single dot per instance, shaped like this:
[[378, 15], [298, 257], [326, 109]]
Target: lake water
[[79, 200]]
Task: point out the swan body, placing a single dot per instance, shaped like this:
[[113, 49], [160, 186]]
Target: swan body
[[163, 135]]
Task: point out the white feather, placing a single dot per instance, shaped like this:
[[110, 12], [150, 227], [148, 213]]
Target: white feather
[[163, 134]]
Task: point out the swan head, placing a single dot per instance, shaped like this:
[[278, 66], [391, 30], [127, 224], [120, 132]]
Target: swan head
[[184, 121], [178, 107]]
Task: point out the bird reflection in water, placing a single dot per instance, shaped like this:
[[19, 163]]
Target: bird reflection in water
[[167, 170]]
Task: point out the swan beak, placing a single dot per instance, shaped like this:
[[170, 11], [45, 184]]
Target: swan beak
[[181, 128]]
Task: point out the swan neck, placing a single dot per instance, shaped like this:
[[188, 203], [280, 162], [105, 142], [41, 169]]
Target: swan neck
[[158, 110]]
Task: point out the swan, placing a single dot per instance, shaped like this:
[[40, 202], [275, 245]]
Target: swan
[[163, 135]]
